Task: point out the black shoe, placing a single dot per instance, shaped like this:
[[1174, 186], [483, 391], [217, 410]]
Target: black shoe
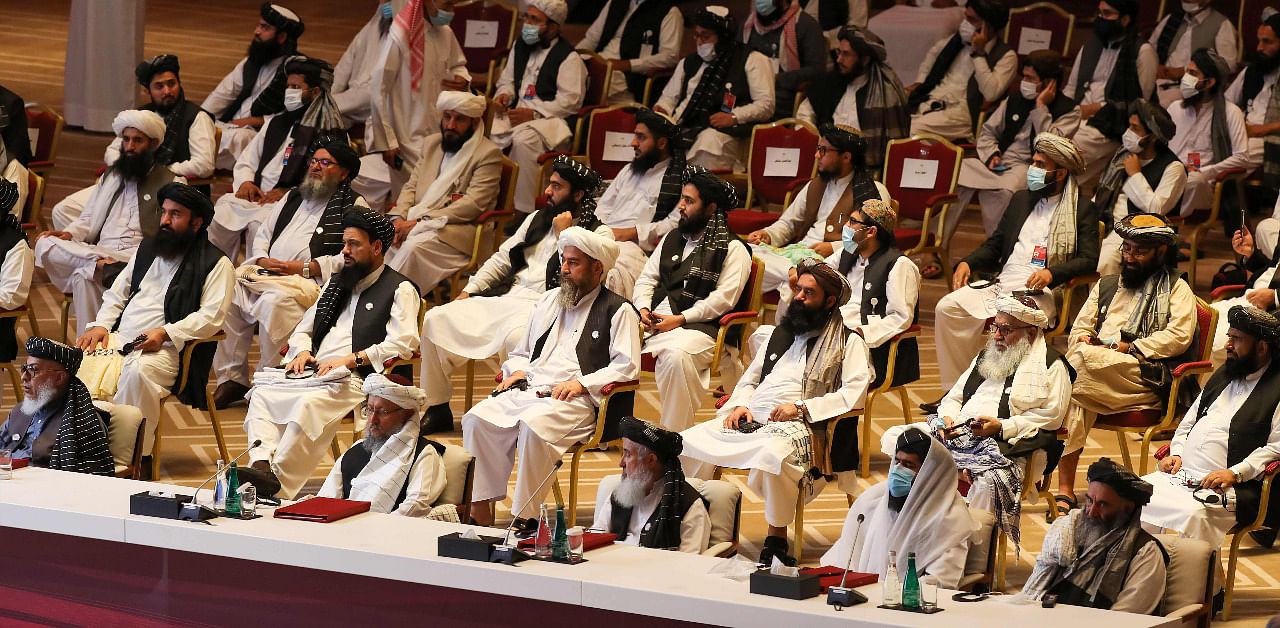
[[931, 407], [229, 392], [147, 469], [524, 528], [776, 547], [439, 418], [265, 481], [1219, 599], [1265, 537]]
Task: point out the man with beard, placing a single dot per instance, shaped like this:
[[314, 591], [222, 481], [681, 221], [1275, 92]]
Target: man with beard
[[15, 145], [1212, 136], [862, 92], [581, 337], [918, 509], [455, 182], [641, 39], [650, 504], [278, 158], [394, 467], [718, 93], [1190, 26], [123, 208], [542, 84], [353, 75], [17, 265], [775, 423], [695, 276], [1132, 331], [1259, 248], [295, 410], [56, 425], [792, 40], [1100, 556], [1047, 236], [297, 249], [255, 88], [175, 290], [1256, 92], [188, 147], [492, 312], [1225, 440], [811, 225]]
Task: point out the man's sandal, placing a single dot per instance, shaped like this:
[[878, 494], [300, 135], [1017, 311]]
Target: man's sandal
[[1063, 499]]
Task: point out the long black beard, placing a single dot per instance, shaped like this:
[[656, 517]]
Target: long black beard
[[646, 160], [164, 110], [351, 275], [801, 319], [1239, 367], [853, 74], [261, 52], [1266, 64], [171, 244], [455, 144], [896, 503], [693, 226], [1133, 278], [1194, 101], [828, 175], [135, 167]]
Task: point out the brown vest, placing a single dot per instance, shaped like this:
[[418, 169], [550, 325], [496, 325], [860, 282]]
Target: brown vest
[[42, 448], [835, 220]]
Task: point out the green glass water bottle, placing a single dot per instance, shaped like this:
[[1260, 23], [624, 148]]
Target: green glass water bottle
[[560, 541], [911, 584], [233, 491]]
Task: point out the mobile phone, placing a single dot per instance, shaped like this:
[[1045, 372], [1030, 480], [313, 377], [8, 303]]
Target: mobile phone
[[264, 271], [1000, 168], [133, 344]]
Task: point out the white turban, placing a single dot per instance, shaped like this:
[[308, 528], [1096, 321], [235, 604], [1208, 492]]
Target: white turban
[[408, 397], [147, 122], [596, 246], [1029, 314], [557, 11], [465, 103]]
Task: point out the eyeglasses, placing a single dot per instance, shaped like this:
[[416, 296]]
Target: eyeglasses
[[1005, 330], [1133, 251], [369, 413], [323, 162], [31, 370]]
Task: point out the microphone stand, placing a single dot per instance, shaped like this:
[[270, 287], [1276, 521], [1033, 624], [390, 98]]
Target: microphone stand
[[506, 552], [192, 511], [841, 596]]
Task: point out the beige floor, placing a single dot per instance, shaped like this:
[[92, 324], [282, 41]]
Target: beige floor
[[209, 42]]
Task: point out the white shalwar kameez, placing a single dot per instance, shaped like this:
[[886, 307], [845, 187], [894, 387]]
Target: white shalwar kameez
[[233, 216], [662, 56], [1162, 200], [541, 429], [297, 419], [771, 456], [1255, 111], [236, 138], [1265, 237], [683, 355], [146, 377], [391, 468], [1193, 144], [1095, 149], [1224, 43], [713, 149], [353, 75], [846, 112], [1202, 444], [953, 121], [630, 202], [695, 525]]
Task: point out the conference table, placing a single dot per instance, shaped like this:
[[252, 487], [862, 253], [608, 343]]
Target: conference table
[[72, 554]]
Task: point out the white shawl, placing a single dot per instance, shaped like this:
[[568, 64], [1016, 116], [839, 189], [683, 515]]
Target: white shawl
[[452, 173]]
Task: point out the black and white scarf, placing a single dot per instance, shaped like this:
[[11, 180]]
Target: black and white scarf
[[81, 444], [706, 260]]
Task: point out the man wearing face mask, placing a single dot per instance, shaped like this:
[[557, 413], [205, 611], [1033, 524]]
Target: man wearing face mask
[[542, 84], [641, 38], [834, 15], [862, 92], [1211, 136], [793, 41], [1189, 26], [353, 75], [1256, 92], [718, 93], [1143, 177], [1047, 236], [963, 71], [278, 158], [917, 509], [255, 88]]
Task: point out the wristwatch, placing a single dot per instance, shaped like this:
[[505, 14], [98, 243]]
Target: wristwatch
[[359, 359], [306, 269], [804, 412]]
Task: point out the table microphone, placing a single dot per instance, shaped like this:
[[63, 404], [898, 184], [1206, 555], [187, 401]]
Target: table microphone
[[506, 552], [840, 596], [191, 511]]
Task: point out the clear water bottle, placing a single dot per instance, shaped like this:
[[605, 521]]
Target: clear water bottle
[[892, 586], [220, 488], [542, 540], [911, 584]]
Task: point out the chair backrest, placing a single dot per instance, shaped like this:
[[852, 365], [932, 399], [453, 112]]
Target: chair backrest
[[598, 71], [35, 199], [752, 296], [780, 152], [724, 508], [506, 184], [485, 29], [1206, 322], [1037, 27], [459, 472], [1189, 575], [918, 168], [611, 127], [124, 434], [48, 125]]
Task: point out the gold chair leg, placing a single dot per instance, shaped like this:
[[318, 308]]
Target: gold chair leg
[[906, 404], [334, 449], [1124, 450], [471, 384], [66, 308], [797, 544], [555, 490], [155, 450], [217, 427], [1230, 584], [864, 436], [14, 379], [573, 487], [1146, 448], [1002, 548], [31, 320]]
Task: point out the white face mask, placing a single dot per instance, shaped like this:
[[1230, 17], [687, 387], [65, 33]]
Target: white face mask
[[1189, 86], [1190, 7], [707, 51], [292, 99], [1029, 90], [1131, 141], [966, 31]]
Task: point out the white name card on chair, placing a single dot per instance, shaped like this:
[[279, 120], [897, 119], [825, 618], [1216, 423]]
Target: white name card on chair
[[919, 173], [33, 136], [617, 146], [481, 34], [781, 162], [1033, 39]]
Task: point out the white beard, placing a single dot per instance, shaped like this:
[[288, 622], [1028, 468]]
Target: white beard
[[43, 396], [999, 365], [633, 488]]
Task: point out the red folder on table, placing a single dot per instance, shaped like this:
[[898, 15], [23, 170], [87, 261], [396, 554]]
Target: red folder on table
[[830, 577], [590, 541], [322, 509]]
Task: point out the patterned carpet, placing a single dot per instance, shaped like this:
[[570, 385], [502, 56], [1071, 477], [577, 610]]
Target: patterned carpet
[[209, 42]]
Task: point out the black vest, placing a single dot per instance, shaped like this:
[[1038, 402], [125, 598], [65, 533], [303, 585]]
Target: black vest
[[735, 82], [1250, 429], [1030, 444], [357, 458], [672, 273], [373, 310], [176, 146], [875, 301], [325, 240], [644, 27], [831, 13], [1017, 112], [825, 94], [1153, 173], [620, 517], [942, 64], [545, 86]]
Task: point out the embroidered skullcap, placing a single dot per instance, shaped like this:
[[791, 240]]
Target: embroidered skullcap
[[8, 195], [341, 151], [465, 103], [1154, 119], [881, 213], [577, 174], [913, 441], [1061, 150], [557, 11], [155, 65], [317, 72], [715, 18], [666, 444], [993, 12], [832, 281], [864, 41], [148, 123], [194, 200], [1147, 230], [843, 138], [1124, 7], [1126, 483], [1255, 322], [283, 19], [594, 245], [372, 223], [712, 188], [408, 397], [1023, 309], [66, 355], [1212, 65], [660, 124]]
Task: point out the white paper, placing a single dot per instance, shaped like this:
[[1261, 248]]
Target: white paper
[[919, 174], [1033, 39], [480, 34], [33, 136], [781, 162], [617, 146]]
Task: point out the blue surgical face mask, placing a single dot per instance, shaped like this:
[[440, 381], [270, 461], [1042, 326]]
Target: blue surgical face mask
[[846, 237], [442, 17], [900, 480], [530, 34], [386, 10], [1036, 178], [765, 7]]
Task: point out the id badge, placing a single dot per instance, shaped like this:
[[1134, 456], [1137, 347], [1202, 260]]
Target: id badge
[[1193, 159], [1039, 256], [528, 92], [729, 101], [453, 198]]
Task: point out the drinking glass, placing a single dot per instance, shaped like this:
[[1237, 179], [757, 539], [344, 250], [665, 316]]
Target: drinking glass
[[929, 593], [6, 464], [575, 543], [248, 501]]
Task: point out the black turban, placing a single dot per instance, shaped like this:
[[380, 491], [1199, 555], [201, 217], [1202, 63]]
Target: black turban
[[577, 174], [1150, 230], [8, 195], [372, 223], [711, 188], [1273, 22], [714, 21], [190, 198], [846, 141], [666, 444], [346, 156], [1126, 483], [994, 12], [282, 19], [659, 124], [1124, 7], [155, 65], [317, 72], [913, 441], [66, 355], [1254, 322]]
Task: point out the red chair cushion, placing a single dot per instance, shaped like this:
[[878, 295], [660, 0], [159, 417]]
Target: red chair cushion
[[648, 363], [1132, 418], [906, 238], [744, 221]]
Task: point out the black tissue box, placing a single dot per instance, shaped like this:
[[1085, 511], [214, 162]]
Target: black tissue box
[[801, 587], [455, 546], [150, 505]]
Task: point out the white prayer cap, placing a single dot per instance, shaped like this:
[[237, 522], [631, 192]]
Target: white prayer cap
[[1023, 309], [596, 246], [150, 124], [465, 103], [408, 397], [556, 10], [286, 13]]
